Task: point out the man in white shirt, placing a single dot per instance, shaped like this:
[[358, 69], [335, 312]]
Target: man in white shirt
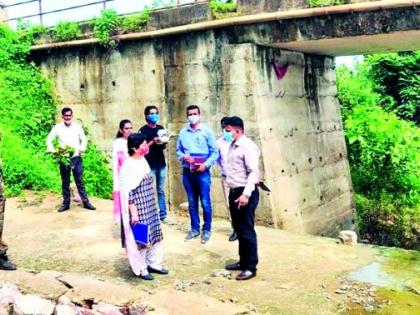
[[242, 176], [70, 135], [223, 143]]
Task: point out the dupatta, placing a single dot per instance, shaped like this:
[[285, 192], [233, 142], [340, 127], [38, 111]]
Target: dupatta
[[131, 174]]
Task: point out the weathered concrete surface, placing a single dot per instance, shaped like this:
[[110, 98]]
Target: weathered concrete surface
[[295, 120], [188, 14], [257, 6], [381, 30]]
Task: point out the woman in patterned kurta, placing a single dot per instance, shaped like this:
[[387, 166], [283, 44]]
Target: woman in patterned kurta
[[138, 205]]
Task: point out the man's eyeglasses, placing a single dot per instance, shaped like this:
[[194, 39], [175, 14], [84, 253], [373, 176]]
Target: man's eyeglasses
[[68, 115]]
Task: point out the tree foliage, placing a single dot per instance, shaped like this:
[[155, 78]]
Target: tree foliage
[[384, 159], [396, 77]]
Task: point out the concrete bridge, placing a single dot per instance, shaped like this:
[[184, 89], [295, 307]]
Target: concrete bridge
[[275, 69]]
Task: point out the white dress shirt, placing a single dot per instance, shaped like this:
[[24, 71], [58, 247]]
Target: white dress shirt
[[72, 136], [243, 165]]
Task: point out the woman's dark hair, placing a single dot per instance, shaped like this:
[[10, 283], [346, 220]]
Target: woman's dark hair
[[134, 141], [122, 124]]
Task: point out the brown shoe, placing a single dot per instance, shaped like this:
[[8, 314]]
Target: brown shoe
[[245, 275], [233, 266]]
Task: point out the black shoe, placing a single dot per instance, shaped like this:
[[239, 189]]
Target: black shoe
[[6, 264], [63, 208], [233, 266], [147, 277], [161, 271], [89, 206], [246, 275], [233, 237]]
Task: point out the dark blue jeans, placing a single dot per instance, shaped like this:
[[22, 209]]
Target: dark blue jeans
[[159, 175], [197, 186]]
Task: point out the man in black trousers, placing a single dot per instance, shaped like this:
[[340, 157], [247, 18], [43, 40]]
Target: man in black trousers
[[242, 178]]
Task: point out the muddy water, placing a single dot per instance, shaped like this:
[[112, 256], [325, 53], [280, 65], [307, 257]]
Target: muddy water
[[396, 274]]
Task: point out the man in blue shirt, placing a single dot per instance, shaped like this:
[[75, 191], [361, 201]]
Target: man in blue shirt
[[197, 149]]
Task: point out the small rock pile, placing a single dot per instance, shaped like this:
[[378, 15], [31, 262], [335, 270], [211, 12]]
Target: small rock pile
[[12, 301], [361, 294]]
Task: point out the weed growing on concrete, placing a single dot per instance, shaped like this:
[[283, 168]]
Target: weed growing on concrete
[[65, 31]]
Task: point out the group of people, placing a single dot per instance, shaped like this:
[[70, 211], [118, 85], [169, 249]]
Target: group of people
[[138, 161]]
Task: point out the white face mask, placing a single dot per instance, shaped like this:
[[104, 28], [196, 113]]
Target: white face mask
[[193, 119]]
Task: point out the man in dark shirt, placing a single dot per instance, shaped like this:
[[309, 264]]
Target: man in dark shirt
[[156, 156]]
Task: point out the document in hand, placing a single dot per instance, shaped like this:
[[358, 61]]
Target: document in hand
[[198, 159], [141, 233]]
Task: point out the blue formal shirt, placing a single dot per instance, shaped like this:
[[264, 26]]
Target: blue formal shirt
[[200, 141]]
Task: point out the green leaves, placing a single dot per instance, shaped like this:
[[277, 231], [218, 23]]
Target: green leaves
[[65, 31], [27, 113], [106, 26], [383, 150]]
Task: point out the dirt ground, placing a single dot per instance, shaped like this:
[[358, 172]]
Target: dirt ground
[[297, 274]]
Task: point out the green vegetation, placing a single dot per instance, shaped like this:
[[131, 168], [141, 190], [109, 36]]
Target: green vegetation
[[223, 9], [383, 150], [325, 3], [106, 26], [135, 22], [65, 31], [27, 111], [397, 79]]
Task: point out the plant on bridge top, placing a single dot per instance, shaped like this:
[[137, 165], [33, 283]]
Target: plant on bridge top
[[222, 9], [324, 3], [135, 22], [66, 31], [31, 34], [106, 26]]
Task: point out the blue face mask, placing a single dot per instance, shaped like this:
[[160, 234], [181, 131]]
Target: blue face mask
[[227, 135], [153, 118]]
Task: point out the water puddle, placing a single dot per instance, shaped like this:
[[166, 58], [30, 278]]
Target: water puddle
[[375, 274]]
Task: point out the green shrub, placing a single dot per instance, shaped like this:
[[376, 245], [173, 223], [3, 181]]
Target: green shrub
[[66, 31], [324, 3], [388, 222], [135, 22], [106, 26], [222, 9], [27, 114], [396, 76]]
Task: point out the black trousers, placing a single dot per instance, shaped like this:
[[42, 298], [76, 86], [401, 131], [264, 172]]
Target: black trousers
[[65, 171], [243, 221]]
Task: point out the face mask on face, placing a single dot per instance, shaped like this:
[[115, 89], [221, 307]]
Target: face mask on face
[[144, 150], [193, 119], [227, 135], [153, 118]]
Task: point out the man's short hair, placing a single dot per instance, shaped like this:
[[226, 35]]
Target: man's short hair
[[223, 121], [65, 110], [191, 107], [149, 108], [235, 121]]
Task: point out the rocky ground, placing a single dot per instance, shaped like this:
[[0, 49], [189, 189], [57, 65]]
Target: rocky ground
[[72, 263]]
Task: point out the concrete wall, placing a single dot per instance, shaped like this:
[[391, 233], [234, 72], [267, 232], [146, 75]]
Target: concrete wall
[[295, 121], [3, 13]]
